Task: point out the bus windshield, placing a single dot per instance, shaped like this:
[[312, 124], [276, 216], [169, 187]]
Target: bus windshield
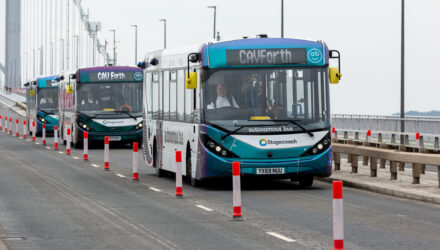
[[116, 99], [267, 100], [48, 99]]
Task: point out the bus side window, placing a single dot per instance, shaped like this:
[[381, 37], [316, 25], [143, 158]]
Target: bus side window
[[188, 104], [181, 95], [166, 96], [173, 97], [148, 96], [156, 97]]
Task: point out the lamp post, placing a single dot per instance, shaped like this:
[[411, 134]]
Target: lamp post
[[402, 77], [135, 43], [164, 32], [215, 17], [114, 46], [282, 18]]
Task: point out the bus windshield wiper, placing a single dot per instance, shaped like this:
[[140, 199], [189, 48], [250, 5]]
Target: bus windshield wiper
[[244, 126], [127, 113], [297, 124]]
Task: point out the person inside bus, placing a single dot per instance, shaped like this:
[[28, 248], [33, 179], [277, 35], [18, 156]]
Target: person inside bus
[[46, 99], [90, 102], [222, 100]]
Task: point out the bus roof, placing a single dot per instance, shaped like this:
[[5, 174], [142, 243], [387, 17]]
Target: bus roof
[[110, 74], [47, 82], [253, 52]]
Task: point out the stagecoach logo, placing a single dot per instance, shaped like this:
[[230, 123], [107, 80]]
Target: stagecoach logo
[[314, 56], [264, 142], [138, 76]]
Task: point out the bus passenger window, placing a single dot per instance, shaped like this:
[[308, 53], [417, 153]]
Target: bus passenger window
[[180, 95]]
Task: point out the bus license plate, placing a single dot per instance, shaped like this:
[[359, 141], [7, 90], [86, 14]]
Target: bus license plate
[[270, 170], [114, 138]]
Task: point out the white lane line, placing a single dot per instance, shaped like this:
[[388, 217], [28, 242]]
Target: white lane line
[[121, 175], [76, 158], [48, 147], [59, 152], [37, 143], [95, 166], [155, 189], [204, 208], [281, 237]]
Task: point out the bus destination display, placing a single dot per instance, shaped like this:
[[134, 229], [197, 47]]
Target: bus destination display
[[237, 57], [111, 76]]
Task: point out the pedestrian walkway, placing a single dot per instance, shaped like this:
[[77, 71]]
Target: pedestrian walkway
[[427, 190]]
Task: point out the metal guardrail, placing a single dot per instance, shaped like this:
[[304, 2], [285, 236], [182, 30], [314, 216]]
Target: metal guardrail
[[415, 142], [426, 125], [372, 155]]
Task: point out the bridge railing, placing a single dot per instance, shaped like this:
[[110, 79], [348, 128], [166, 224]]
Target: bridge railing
[[427, 125], [415, 142]]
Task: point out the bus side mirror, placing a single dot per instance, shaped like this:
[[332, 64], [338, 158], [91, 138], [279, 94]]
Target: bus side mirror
[[69, 89], [335, 76], [335, 73], [191, 80], [32, 92]]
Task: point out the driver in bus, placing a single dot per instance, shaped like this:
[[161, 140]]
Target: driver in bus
[[222, 100], [46, 99], [90, 100]]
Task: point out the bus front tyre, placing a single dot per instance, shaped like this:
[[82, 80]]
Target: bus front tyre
[[159, 172], [306, 181], [194, 182]]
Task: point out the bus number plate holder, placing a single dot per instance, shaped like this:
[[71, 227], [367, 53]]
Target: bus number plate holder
[[114, 138], [270, 170]]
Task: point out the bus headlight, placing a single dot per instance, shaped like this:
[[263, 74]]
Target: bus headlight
[[139, 126], [82, 125], [216, 148], [41, 119], [319, 147]]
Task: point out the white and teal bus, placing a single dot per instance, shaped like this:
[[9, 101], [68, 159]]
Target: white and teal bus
[[263, 102], [104, 101], [42, 104]]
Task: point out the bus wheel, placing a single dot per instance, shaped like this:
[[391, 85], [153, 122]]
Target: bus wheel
[[306, 181], [159, 172], [194, 182]]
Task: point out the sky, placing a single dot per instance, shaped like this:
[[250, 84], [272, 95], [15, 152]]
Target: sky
[[367, 33]]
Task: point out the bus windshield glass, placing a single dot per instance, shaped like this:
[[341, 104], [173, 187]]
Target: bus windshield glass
[[267, 100], [116, 99], [48, 99]]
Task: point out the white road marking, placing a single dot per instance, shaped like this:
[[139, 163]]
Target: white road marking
[[282, 237], [48, 147], [37, 143], [95, 166], [59, 152], [120, 175], [76, 158], [204, 208], [155, 189]]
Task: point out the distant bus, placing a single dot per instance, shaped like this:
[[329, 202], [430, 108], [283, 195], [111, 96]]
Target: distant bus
[[42, 103], [105, 101], [262, 102]]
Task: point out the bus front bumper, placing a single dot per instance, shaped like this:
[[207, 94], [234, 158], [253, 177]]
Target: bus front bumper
[[127, 136], [318, 165]]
